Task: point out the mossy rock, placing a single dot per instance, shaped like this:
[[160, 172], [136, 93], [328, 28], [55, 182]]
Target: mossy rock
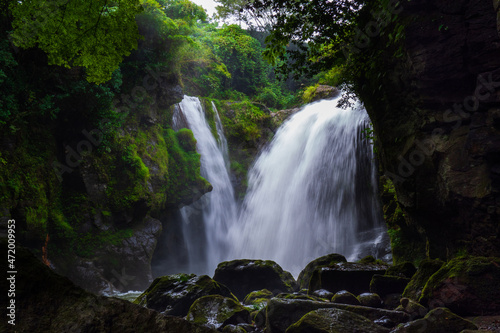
[[174, 294], [281, 313], [353, 277], [258, 297], [216, 311], [425, 270], [371, 260], [301, 296], [405, 269], [345, 297], [438, 320], [334, 321], [386, 284], [370, 299], [306, 273], [244, 276], [467, 286], [414, 309]]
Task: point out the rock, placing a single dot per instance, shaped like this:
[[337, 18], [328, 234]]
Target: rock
[[369, 260], [258, 297], [216, 311], [391, 301], [322, 293], [233, 329], [244, 276], [47, 302], [283, 313], [324, 92], [438, 320], [174, 294], [405, 269], [425, 270], [385, 284], [353, 277], [414, 309], [334, 321], [345, 297], [306, 273], [370, 299], [467, 286], [300, 296]]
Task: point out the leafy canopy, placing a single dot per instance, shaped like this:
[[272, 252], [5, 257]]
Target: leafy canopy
[[94, 34]]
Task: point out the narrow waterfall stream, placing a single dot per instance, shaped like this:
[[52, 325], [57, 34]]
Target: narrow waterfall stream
[[311, 192], [207, 245]]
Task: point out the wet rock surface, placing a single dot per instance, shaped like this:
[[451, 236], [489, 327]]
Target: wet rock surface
[[244, 276], [174, 294]]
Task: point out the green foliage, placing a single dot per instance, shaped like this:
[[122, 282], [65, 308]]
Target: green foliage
[[186, 140], [309, 93], [88, 244], [95, 35]]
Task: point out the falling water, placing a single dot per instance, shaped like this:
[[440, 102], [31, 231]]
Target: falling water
[[205, 223], [312, 192]]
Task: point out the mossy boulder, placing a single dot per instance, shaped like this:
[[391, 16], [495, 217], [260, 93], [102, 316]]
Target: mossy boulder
[[47, 302], [370, 299], [216, 311], [334, 321], [258, 297], [467, 286], [384, 285], [405, 269], [244, 276], [414, 309], [306, 273], [174, 294], [281, 313], [345, 297], [425, 270], [353, 277], [303, 296], [438, 320]]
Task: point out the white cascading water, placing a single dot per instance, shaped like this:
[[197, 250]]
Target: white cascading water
[[207, 243], [312, 192]]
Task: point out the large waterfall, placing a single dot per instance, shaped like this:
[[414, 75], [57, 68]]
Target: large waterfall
[[311, 192]]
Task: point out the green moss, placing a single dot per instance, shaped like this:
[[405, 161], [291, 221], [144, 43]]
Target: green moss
[[309, 93], [258, 297]]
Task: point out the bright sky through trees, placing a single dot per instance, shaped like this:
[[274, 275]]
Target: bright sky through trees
[[209, 6]]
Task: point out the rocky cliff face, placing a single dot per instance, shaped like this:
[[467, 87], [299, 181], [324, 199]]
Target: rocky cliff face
[[438, 126]]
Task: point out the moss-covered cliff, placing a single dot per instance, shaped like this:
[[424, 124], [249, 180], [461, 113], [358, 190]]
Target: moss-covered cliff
[[436, 116]]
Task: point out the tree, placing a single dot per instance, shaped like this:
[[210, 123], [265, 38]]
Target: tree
[[256, 18], [94, 34]]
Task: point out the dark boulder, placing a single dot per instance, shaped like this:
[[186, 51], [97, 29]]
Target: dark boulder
[[258, 297], [384, 285], [328, 260], [283, 313], [439, 320], [425, 270], [174, 294], [345, 297], [370, 299], [216, 311], [244, 276], [468, 286], [334, 321], [405, 269], [353, 277]]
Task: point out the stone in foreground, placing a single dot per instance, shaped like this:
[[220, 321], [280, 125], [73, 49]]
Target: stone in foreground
[[439, 320], [174, 294], [325, 261], [216, 312], [244, 276], [334, 321]]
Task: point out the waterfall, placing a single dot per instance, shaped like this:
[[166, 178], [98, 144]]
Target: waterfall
[[205, 223], [312, 192]]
